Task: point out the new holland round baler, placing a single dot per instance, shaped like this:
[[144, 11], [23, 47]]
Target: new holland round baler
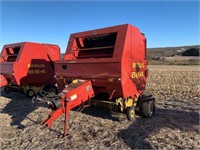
[[108, 68], [28, 67]]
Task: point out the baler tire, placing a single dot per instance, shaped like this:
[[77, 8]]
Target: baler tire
[[7, 90], [130, 113], [55, 104], [30, 93], [51, 88], [147, 108]]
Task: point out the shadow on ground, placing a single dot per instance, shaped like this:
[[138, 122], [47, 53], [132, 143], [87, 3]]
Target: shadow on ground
[[19, 107], [101, 113], [135, 136]]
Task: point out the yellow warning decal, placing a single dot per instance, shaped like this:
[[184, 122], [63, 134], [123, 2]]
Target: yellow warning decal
[[73, 97], [75, 81]]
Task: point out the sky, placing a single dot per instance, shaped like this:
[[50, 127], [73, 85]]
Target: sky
[[164, 23]]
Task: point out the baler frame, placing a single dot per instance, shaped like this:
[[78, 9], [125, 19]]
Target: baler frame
[[27, 67], [114, 61]]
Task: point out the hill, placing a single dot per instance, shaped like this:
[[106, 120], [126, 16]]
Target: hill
[[180, 55]]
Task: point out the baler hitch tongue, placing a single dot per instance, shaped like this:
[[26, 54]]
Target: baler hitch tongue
[[77, 93]]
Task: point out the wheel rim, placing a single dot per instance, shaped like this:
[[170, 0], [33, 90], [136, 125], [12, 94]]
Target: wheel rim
[[151, 108], [132, 113], [31, 93], [52, 90]]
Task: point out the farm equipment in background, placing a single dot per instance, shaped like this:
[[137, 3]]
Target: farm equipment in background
[[28, 67], [108, 67]]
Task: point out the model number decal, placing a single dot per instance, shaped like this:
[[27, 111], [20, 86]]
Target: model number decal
[[137, 74], [37, 71]]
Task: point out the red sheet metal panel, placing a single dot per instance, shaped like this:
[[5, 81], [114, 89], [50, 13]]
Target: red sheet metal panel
[[113, 58], [29, 63], [3, 81]]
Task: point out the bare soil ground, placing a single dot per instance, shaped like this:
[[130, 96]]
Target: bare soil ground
[[174, 126]]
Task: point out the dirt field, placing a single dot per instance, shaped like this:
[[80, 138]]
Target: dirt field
[[174, 126]]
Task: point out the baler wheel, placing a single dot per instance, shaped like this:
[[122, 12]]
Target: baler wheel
[[148, 108], [30, 93], [51, 89], [130, 113], [7, 89]]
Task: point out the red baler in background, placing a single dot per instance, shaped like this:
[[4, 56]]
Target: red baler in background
[[112, 61], [28, 67]]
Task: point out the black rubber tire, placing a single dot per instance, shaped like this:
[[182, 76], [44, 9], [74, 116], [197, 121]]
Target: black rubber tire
[[146, 95], [30, 93], [7, 90], [51, 88], [55, 104], [147, 108], [130, 113]]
